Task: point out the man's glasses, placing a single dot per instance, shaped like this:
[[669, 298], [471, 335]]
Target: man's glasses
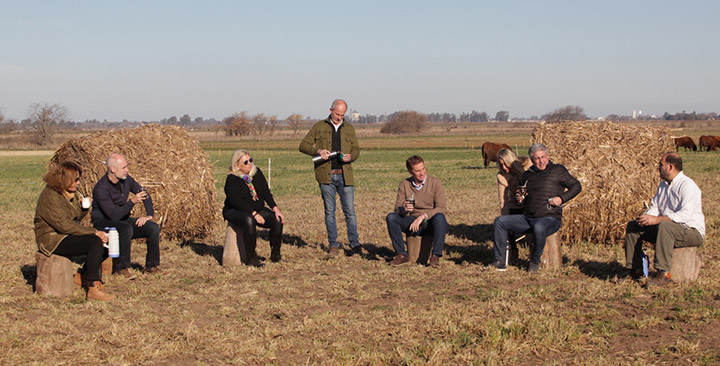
[[246, 162]]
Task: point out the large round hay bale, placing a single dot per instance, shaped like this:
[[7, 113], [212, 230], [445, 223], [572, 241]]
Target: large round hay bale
[[617, 166], [163, 159]]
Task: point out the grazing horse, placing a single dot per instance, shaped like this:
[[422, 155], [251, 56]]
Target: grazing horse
[[686, 142], [490, 152], [710, 143]]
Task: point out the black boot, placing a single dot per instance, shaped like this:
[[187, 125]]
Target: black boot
[[275, 253]]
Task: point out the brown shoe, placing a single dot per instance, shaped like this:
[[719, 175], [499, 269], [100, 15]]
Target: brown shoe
[[153, 269], [399, 259], [660, 279], [434, 261], [95, 292], [333, 252], [125, 273]]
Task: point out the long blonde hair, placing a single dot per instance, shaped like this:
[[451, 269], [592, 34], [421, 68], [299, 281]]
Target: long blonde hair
[[511, 160], [235, 158]]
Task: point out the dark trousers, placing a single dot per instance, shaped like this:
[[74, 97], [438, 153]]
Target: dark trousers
[[90, 245], [128, 230], [666, 236], [397, 225], [539, 227], [248, 225]]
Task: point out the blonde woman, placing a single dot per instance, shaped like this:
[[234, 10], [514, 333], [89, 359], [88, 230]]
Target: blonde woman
[[247, 192], [509, 177]]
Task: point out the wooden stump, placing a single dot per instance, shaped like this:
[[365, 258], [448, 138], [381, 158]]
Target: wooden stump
[[106, 267], [419, 248], [234, 250], [552, 254], [54, 275], [685, 266]]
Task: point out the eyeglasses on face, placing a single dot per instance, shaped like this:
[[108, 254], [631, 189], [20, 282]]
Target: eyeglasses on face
[[246, 162]]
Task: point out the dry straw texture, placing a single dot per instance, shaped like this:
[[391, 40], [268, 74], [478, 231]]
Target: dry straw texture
[[167, 162], [617, 166]]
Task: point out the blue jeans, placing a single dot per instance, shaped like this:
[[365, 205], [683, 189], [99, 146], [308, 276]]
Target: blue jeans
[[397, 225], [347, 199], [540, 228]]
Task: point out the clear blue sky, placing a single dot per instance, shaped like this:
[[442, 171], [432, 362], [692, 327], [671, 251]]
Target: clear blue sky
[[147, 60]]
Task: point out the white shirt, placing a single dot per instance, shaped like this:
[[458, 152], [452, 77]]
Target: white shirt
[[680, 200]]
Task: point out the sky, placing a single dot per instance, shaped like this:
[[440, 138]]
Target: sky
[[148, 60]]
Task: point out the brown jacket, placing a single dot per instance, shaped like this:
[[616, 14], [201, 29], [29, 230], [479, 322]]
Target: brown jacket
[[429, 200], [57, 217], [320, 137]]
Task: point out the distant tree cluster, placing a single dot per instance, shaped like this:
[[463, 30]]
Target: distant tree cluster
[[404, 122], [690, 116], [565, 114]]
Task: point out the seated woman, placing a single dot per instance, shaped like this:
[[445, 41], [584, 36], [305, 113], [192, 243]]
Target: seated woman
[[509, 177], [246, 192], [58, 230]]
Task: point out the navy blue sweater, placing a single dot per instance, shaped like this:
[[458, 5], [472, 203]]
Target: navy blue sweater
[[110, 201]]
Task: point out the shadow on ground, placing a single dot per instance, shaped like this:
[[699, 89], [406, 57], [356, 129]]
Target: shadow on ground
[[479, 235], [601, 270], [216, 251]]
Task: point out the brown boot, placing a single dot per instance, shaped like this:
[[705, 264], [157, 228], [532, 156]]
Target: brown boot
[[95, 292]]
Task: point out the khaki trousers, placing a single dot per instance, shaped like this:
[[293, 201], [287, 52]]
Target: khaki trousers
[[666, 236]]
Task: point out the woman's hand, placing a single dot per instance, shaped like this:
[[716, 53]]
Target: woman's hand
[[279, 215]]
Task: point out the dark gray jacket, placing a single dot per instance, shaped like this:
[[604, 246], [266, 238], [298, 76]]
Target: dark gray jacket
[[555, 180]]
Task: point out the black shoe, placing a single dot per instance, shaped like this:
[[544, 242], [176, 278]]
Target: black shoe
[[275, 255], [357, 251], [255, 262], [533, 267], [660, 279], [499, 266]]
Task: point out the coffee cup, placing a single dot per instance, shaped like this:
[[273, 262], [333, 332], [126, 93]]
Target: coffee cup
[[86, 202]]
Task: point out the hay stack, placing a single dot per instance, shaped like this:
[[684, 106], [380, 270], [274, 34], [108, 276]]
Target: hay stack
[[163, 159], [617, 166]]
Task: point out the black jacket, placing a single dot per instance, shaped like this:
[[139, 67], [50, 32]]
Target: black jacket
[[237, 193], [555, 180]]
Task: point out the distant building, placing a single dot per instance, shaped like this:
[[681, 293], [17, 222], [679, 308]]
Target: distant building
[[354, 116]]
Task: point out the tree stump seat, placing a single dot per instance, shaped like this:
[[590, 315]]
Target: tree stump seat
[[234, 248], [685, 265], [419, 248], [54, 275], [552, 254]]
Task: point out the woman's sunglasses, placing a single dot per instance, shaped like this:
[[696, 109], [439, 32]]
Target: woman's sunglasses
[[248, 161]]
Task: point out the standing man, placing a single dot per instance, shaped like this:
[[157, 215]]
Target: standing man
[[111, 208], [419, 207], [549, 186], [674, 220], [335, 173]]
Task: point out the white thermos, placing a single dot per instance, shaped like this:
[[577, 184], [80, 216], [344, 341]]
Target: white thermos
[[113, 243]]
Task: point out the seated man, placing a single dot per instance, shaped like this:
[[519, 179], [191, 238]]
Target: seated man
[[674, 220], [419, 208], [547, 187], [111, 208]]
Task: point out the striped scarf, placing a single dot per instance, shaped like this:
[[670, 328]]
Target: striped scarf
[[248, 180]]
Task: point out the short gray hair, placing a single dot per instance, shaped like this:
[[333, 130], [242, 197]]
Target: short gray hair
[[537, 146]]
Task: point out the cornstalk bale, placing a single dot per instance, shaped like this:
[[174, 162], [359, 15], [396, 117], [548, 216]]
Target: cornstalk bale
[[617, 167], [167, 162]]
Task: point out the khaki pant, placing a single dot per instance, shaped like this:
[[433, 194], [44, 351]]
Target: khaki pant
[[666, 236]]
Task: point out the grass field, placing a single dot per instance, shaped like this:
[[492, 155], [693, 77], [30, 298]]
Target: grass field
[[357, 311]]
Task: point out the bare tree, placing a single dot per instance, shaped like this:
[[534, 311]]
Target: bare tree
[[237, 124], [45, 120], [405, 122], [567, 113], [259, 124], [272, 125], [294, 121]]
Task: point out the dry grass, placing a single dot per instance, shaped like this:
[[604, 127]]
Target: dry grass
[[349, 310]]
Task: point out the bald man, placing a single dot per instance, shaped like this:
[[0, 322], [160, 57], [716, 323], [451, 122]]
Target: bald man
[[111, 208], [335, 174], [674, 220]]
